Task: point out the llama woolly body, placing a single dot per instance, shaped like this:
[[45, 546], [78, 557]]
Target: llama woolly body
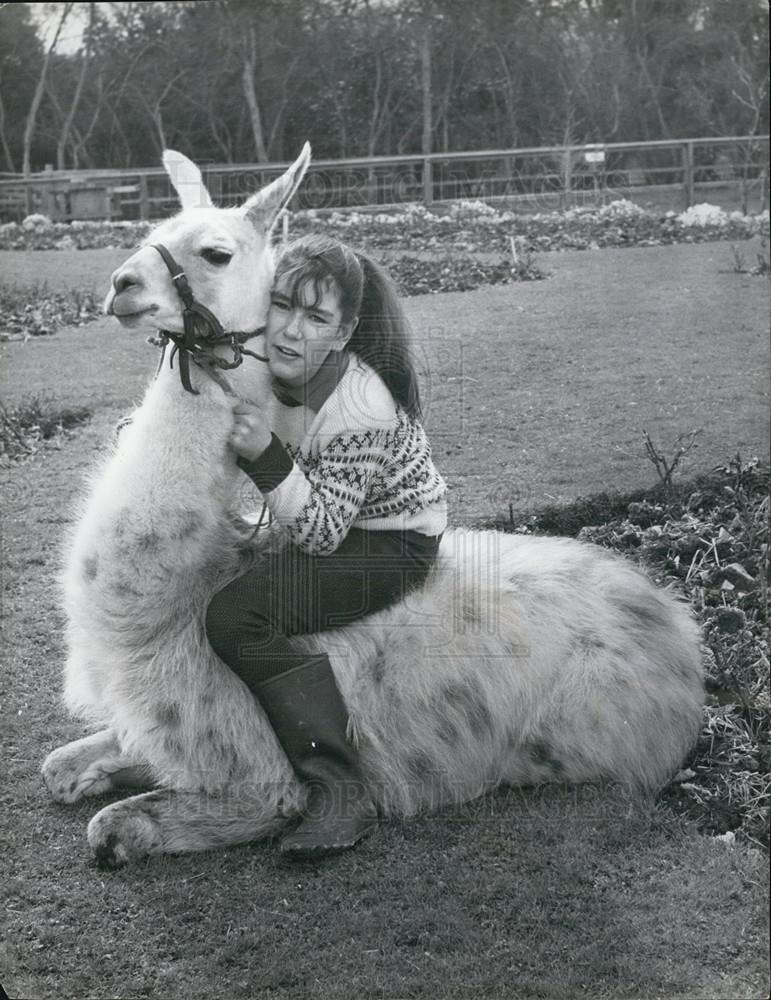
[[521, 660]]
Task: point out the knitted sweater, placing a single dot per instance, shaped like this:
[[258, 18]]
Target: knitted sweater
[[363, 462]]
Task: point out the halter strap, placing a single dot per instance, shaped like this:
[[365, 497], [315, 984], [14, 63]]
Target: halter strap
[[178, 276], [202, 330]]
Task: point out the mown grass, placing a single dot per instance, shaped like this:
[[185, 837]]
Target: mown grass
[[529, 893], [534, 392]]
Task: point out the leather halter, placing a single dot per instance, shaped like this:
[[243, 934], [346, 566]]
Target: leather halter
[[202, 331]]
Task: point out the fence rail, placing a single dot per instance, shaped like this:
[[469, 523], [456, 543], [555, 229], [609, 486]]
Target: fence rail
[[734, 170]]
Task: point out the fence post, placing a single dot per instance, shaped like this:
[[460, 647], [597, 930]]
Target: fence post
[[567, 173], [144, 198], [49, 193], [763, 164], [688, 189], [428, 182]]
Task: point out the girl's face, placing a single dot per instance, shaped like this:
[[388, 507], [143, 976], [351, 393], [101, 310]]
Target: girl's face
[[302, 330]]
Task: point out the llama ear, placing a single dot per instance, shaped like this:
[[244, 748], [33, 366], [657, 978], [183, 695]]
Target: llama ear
[[263, 208], [186, 180]]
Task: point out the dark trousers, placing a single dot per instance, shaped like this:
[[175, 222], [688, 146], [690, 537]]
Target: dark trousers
[[250, 623]]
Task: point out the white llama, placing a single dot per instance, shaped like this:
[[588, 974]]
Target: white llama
[[522, 660]]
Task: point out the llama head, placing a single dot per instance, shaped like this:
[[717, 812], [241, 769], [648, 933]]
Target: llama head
[[225, 253]]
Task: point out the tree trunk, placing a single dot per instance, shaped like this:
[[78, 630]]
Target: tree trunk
[[31, 121], [425, 74], [224, 142], [4, 139], [80, 151], [64, 135], [250, 94], [375, 115], [275, 142], [77, 142], [509, 99], [342, 131], [157, 116]]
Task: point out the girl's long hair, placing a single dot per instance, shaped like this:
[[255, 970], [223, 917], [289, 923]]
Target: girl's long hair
[[382, 335]]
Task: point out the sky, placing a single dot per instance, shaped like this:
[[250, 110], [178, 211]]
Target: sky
[[47, 16]]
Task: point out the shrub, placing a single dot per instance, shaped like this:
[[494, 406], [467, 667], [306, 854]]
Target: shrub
[[38, 311], [32, 424]]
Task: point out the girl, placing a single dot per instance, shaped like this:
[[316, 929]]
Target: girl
[[361, 501]]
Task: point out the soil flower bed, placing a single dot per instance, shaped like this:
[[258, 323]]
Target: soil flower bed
[[36, 424], [478, 227], [467, 226], [39, 311]]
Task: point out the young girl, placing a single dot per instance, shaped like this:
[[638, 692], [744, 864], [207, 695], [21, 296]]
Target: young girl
[[361, 501]]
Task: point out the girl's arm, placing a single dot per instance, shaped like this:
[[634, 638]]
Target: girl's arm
[[319, 507]]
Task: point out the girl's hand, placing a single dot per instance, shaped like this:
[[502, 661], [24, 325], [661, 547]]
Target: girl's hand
[[250, 435]]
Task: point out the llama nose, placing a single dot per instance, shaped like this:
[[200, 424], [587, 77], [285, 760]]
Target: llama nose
[[124, 278]]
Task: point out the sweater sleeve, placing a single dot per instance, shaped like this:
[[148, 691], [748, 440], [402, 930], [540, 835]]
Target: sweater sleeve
[[319, 506]]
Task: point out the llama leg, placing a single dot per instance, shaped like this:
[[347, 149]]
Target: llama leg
[[170, 822], [91, 766]]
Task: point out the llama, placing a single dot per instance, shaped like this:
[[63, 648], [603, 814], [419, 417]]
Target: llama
[[522, 659]]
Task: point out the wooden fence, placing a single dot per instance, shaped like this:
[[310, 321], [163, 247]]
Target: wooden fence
[[672, 174]]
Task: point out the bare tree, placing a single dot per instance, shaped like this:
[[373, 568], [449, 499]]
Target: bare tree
[[154, 107], [751, 94], [31, 121], [4, 138], [64, 135], [425, 84], [249, 57], [102, 92]]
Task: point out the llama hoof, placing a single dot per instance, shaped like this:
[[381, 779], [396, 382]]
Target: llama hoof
[[68, 781], [119, 835], [109, 855]]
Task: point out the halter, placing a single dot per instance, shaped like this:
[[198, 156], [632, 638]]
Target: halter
[[203, 332]]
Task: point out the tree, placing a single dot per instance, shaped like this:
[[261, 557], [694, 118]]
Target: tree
[[31, 120], [20, 55], [240, 80], [266, 41], [64, 135]]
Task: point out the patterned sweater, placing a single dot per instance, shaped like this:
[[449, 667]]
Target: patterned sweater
[[363, 463]]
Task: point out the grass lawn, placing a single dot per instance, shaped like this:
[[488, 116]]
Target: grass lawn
[[535, 391]]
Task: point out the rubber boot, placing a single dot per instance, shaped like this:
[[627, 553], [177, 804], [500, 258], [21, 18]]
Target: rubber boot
[[309, 718]]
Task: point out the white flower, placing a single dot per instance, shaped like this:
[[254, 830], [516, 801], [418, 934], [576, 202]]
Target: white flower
[[471, 208], [703, 215], [622, 208], [36, 221]]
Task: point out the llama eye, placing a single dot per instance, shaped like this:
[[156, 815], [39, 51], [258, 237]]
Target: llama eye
[[219, 257]]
